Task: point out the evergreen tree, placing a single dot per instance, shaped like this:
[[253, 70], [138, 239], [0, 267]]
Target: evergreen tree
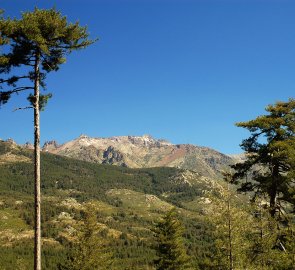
[[170, 247], [271, 243], [88, 251], [232, 224], [37, 44], [270, 152], [263, 236]]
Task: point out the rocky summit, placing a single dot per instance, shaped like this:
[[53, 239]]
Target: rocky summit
[[142, 152]]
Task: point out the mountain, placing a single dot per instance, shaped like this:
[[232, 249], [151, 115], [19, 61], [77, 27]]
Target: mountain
[[142, 152], [127, 203]]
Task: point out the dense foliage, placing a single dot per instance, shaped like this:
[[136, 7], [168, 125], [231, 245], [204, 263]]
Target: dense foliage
[[271, 148]]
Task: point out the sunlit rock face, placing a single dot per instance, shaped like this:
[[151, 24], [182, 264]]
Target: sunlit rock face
[[142, 152]]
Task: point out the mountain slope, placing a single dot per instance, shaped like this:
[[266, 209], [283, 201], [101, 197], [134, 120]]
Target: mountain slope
[[127, 201], [93, 180], [142, 152]]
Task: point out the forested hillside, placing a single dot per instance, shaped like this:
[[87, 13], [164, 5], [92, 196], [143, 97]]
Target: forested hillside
[[126, 204]]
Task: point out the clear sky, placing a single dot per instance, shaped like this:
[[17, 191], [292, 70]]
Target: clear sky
[[181, 70]]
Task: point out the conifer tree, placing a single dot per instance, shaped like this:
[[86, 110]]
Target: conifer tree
[[170, 247], [37, 44], [88, 250], [270, 152], [231, 223], [263, 237]]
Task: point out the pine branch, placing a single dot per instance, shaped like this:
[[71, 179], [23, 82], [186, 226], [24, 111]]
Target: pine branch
[[46, 62], [18, 78], [18, 89], [23, 108], [71, 47]]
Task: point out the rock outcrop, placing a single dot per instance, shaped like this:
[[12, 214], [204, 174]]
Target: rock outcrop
[[142, 152]]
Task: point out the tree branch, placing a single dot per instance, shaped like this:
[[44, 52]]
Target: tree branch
[[23, 108], [46, 63], [18, 89], [18, 78], [70, 47]]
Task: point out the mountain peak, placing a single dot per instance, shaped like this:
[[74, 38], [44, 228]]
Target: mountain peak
[[147, 140], [148, 136], [11, 141], [142, 151], [83, 136], [28, 145], [50, 145]]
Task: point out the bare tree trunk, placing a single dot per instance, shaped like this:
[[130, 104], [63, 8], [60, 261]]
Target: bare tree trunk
[[37, 251], [273, 191]]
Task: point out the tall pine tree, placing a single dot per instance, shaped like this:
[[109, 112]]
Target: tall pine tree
[[37, 44], [170, 247], [270, 152]]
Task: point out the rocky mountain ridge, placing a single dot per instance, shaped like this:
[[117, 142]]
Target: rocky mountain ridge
[[142, 152]]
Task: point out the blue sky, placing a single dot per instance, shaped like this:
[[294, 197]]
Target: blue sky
[[181, 70]]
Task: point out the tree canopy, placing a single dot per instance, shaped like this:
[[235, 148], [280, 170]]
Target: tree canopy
[[270, 152], [44, 34]]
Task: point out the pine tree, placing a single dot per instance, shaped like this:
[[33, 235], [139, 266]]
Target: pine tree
[[88, 251], [232, 224], [263, 236], [36, 44], [170, 247], [270, 152]]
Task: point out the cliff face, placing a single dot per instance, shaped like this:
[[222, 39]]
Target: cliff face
[[142, 152]]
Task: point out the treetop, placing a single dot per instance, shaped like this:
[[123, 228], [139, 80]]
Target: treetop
[[41, 37]]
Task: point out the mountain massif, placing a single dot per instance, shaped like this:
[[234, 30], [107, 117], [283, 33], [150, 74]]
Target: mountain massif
[[142, 152], [126, 201]]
